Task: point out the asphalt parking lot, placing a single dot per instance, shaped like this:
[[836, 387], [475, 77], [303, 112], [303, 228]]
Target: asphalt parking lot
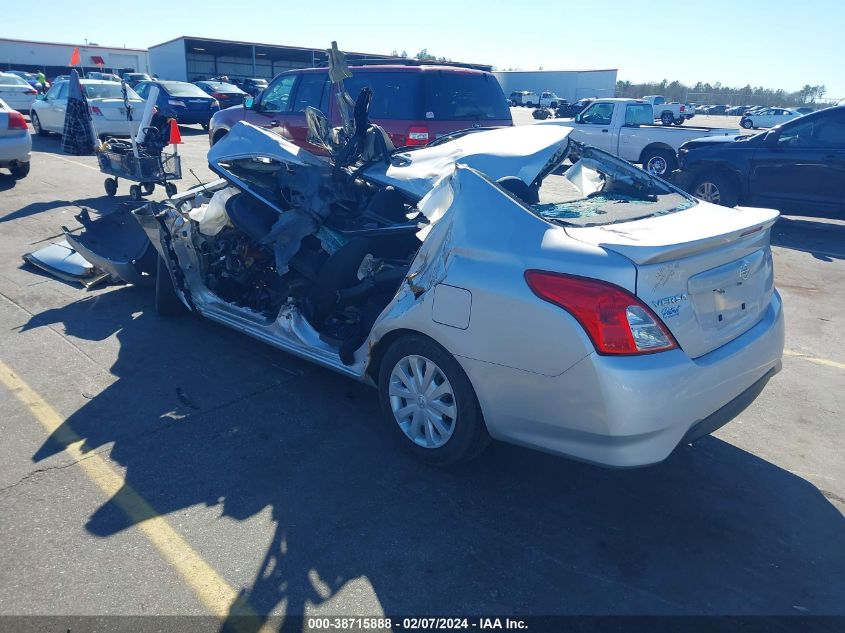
[[159, 466]]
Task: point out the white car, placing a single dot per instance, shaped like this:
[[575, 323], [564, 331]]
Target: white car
[[770, 117], [105, 100], [16, 92], [15, 141]]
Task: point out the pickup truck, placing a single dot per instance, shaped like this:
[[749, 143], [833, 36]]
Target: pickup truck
[[551, 100], [524, 98], [667, 113], [625, 128]]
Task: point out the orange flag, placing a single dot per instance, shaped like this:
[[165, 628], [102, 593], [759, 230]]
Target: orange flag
[[75, 58], [175, 136]]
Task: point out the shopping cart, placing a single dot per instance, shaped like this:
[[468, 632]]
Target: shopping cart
[[146, 169]]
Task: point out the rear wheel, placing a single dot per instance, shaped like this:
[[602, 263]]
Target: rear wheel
[[530, 104], [716, 189], [36, 125], [746, 124], [667, 118], [429, 403], [21, 170], [167, 302], [660, 162], [679, 121]]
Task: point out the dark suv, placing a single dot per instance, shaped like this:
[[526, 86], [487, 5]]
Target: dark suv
[[798, 166], [414, 104]]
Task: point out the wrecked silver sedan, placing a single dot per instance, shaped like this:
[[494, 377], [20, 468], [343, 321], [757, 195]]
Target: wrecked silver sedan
[[595, 312]]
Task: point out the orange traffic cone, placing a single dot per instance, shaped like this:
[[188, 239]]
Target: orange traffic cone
[[175, 136]]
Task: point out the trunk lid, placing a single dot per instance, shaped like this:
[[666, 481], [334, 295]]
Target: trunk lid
[[705, 271]]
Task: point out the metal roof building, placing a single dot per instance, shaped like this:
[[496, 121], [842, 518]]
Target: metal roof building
[[54, 58], [190, 58], [569, 84]]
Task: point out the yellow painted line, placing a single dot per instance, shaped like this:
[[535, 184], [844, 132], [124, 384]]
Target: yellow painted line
[[67, 160], [218, 596], [814, 359]]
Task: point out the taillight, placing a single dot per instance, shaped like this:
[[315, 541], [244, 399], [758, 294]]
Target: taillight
[[417, 135], [31, 91], [218, 95], [616, 321], [95, 110], [683, 108], [16, 121]]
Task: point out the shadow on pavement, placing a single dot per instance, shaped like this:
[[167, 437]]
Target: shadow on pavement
[[199, 415], [7, 182], [824, 240]]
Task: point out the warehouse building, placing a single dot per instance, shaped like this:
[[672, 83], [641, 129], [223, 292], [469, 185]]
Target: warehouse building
[[192, 58], [54, 58], [569, 84]]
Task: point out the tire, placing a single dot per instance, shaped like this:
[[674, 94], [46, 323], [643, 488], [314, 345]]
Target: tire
[[110, 185], [204, 126], [746, 124], [135, 192], [465, 436], [715, 188], [530, 104], [660, 162], [553, 104], [667, 118], [147, 187], [167, 302], [21, 170], [36, 125], [170, 189], [679, 121]]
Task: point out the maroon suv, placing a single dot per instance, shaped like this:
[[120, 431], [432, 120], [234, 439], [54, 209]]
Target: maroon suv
[[414, 104]]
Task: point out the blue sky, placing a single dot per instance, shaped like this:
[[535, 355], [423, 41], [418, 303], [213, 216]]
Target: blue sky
[[772, 43]]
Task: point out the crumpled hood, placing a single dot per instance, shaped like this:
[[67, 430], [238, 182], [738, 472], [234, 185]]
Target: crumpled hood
[[246, 140], [522, 151]]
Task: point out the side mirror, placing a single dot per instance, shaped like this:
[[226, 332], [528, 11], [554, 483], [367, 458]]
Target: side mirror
[[578, 118], [249, 103]]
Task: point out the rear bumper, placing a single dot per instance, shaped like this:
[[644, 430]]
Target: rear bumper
[[189, 117], [15, 149], [629, 411]]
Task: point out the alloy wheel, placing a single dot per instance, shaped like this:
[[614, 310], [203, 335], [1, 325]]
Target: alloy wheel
[[657, 165], [708, 192], [423, 401]]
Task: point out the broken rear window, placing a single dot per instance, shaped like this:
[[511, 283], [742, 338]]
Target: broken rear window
[[600, 189]]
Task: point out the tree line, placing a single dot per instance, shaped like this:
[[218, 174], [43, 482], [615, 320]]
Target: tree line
[[719, 94]]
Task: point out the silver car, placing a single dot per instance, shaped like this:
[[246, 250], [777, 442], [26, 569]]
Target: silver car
[[485, 290], [15, 141]]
